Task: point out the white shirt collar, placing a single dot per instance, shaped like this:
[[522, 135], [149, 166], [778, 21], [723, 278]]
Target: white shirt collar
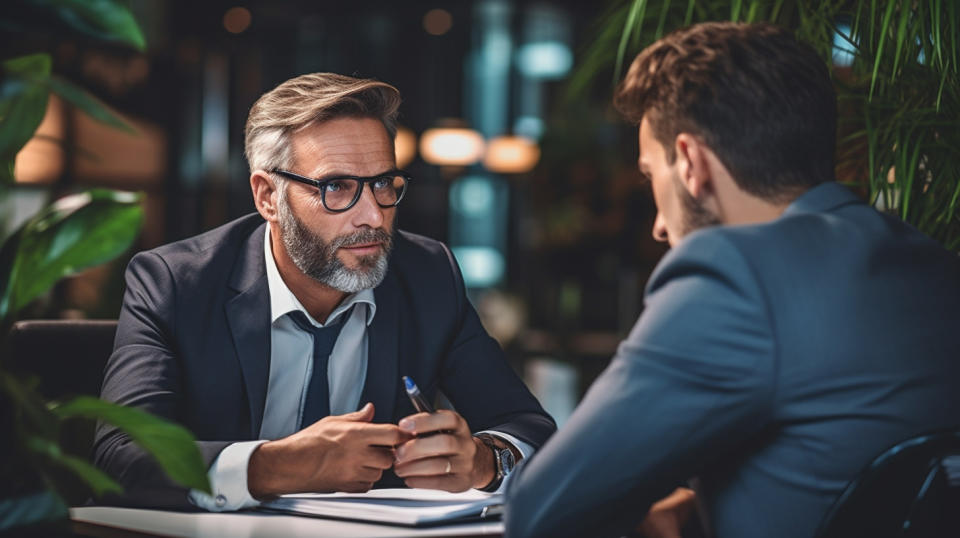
[[283, 301]]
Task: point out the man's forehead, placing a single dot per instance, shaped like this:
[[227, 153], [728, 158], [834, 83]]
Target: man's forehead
[[343, 147]]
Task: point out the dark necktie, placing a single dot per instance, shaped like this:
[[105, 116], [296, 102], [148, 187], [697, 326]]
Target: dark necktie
[[317, 404]]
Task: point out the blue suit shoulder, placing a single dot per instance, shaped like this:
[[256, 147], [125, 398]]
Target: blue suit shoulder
[[720, 252]]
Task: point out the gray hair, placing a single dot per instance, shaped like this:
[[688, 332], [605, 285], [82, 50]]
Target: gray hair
[[308, 99]]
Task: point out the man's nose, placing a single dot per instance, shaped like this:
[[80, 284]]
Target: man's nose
[[660, 228], [367, 212]]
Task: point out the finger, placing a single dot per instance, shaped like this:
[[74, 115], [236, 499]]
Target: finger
[[445, 483], [364, 414], [428, 447], [382, 434], [424, 467], [442, 420], [378, 458]]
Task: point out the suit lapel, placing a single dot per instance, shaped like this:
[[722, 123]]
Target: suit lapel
[[383, 340], [248, 315]]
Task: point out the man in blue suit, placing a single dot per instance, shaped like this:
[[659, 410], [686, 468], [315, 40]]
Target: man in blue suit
[[280, 339], [792, 334]]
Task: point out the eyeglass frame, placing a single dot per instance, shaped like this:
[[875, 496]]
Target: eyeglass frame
[[321, 183]]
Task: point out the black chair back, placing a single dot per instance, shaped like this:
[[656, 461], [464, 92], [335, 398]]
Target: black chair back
[[911, 491], [66, 356]]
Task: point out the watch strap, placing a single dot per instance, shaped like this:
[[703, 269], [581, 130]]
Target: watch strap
[[498, 471]]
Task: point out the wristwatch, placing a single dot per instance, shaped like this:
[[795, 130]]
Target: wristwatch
[[503, 460]]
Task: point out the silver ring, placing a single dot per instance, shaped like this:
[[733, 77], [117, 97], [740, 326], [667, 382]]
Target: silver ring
[[447, 470]]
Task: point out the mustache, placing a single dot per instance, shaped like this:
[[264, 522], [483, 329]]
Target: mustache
[[361, 237]]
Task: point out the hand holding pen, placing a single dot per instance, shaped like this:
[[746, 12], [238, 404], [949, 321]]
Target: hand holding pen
[[444, 454]]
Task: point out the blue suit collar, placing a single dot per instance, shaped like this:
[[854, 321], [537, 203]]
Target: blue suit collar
[[824, 197]]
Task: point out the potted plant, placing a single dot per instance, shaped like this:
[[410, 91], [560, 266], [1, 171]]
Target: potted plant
[[37, 476]]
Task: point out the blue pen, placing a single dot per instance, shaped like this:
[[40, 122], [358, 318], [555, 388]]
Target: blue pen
[[416, 398]]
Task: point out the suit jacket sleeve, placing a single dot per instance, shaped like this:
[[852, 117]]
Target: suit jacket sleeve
[[144, 372], [480, 383], [692, 380]]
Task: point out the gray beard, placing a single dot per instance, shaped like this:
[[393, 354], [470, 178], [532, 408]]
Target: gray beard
[[318, 259]]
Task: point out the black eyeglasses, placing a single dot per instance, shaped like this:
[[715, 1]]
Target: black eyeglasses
[[339, 194]]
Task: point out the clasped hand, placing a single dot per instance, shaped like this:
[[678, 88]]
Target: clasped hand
[[349, 453], [443, 454]]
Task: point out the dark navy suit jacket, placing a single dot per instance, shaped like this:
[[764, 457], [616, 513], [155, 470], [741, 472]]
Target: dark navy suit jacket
[[193, 346], [774, 361]]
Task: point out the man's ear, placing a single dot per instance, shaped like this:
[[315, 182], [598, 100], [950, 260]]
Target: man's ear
[[693, 166], [265, 193]]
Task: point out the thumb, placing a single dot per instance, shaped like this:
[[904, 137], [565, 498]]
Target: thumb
[[364, 414]]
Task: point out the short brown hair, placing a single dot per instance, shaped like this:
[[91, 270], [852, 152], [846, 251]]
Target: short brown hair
[[307, 99], [762, 100]]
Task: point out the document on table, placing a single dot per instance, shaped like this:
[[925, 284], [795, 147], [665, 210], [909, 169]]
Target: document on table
[[407, 507]]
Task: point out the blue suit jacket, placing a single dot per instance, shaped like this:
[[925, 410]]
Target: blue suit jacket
[[774, 361], [193, 346]]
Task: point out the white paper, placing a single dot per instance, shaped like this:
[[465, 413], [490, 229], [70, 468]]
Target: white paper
[[401, 506]]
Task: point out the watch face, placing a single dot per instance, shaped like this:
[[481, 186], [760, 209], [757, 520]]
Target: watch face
[[507, 461]]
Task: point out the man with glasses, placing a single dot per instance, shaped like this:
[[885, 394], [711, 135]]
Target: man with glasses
[[280, 339]]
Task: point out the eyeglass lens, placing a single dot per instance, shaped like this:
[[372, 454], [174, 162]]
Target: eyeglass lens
[[340, 193]]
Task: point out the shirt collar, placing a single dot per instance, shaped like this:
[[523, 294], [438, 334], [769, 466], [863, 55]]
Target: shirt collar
[[283, 301]]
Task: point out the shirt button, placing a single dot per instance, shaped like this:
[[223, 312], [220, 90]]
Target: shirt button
[[221, 501]]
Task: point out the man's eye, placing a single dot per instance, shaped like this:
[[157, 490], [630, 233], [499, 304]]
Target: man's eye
[[334, 186], [381, 183]]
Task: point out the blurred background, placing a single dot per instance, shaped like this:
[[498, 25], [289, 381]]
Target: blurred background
[[520, 163], [533, 186]]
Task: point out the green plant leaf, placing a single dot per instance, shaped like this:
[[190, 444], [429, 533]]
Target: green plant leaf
[[81, 99], [33, 414], [883, 32], [72, 234], [170, 444], [662, 20], [23, 103], [97, 480], [108, 20], [688, 16], [735, 7], [633, 24]]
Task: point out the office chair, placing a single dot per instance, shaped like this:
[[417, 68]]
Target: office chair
[[66, 358], [911, 491]]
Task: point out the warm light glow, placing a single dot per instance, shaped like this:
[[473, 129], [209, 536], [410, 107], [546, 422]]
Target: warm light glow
[[437, 21], [237, 19], [116, 158], [405, 146], [41, 160], [451, 146], [511, 155], [101, 155]]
